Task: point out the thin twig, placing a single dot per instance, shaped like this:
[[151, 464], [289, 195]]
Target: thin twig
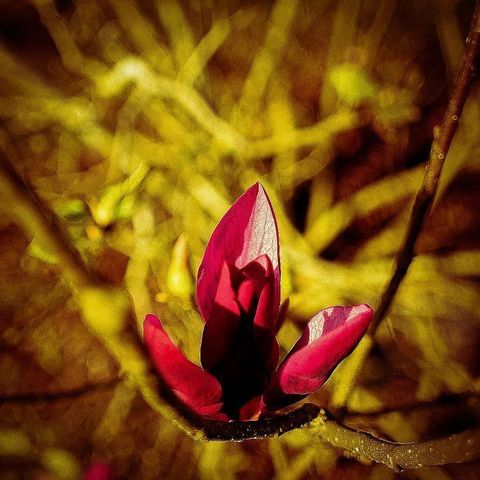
[[443, 136], [36, 397], [39, 223]]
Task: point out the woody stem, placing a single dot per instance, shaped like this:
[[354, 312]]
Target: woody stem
[[443, 136]]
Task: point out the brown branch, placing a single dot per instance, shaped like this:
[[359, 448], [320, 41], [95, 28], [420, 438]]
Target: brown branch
[[443, 136], [124, 344], [34, 397], [238, 431], [32, 216], [458, 448]]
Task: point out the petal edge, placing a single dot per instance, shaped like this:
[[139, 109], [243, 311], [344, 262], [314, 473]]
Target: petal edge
[[246, 231]]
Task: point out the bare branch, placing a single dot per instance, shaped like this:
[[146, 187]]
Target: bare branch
[[457, 448], [238, 431], [34, 397], [443, 137]]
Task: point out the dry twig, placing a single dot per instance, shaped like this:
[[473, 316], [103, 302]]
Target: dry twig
[[443, 136]]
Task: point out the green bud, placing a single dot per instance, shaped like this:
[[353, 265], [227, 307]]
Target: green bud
[[179, 278]]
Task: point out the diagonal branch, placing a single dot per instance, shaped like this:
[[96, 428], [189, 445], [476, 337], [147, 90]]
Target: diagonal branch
[[443, 136], [106, 310], [40, 223]]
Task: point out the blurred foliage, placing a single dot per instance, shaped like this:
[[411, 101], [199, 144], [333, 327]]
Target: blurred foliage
[[140, 122]]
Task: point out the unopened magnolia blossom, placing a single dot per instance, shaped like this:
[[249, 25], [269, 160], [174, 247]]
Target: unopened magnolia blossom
[[238, 294]]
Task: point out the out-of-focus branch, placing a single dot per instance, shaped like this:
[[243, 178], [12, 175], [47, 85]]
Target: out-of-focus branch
[[17, 445], [448, 400], [318, 134], [76, 117], [106, 311], [443, 137], [204, 51], [39, 223], [33, 397], [72, 57], [265, 62]]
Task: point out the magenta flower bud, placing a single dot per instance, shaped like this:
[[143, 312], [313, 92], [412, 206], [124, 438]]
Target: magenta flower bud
[[238, 295]]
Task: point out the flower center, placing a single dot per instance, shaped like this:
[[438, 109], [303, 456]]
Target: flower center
[[247, 359]]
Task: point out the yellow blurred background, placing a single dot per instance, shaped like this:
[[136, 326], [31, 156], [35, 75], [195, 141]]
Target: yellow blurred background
[[140, 122]]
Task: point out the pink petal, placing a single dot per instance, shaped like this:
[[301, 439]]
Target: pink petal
[[264, 321], [247, 231], [196, 388], [220, 331], [252, 409], [328, 337], [246, 294]]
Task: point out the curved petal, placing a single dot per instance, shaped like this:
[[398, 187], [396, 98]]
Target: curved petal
[[197, 389], [328, 337], [247, 231]]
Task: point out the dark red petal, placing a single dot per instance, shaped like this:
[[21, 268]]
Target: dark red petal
[[248, 230], [264, 320], [246, 294], [243, 352], [194, 387], [252, 409], [328, 337], [220, 331]]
